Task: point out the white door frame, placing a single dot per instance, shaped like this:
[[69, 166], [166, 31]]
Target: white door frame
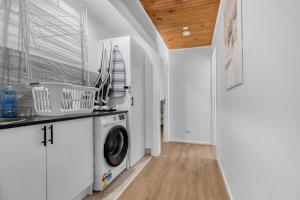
[[165, 68], [156, 146], [214, 98]]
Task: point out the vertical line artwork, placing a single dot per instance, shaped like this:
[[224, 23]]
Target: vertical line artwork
[[233, 44]]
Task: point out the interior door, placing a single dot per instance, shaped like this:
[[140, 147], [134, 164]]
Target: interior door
[[137, 111], [70, 159], [22, 164]]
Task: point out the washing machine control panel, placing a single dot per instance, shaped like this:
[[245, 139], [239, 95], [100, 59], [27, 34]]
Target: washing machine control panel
[[107, 120], [122, 117]]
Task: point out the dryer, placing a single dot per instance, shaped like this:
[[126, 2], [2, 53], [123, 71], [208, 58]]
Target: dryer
[[111, 142]]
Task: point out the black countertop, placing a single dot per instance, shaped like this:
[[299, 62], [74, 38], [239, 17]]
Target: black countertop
[[36, 120]]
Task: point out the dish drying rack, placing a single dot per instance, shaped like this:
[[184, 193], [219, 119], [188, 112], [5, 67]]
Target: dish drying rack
[[54, 30]]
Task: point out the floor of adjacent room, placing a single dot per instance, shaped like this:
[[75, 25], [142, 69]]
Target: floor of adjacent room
[[182, 171]]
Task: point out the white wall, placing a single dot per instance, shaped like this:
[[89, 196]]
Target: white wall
[[258, 122], [96, 32], [190, 95]]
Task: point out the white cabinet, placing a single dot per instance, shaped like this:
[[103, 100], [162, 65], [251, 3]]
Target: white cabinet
[[70, 159], [61, 170], [22, 164], [137, 109]]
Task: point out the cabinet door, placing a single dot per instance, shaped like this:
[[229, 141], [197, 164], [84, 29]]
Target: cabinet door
[[137, 111], [70, 159], [22, 164]]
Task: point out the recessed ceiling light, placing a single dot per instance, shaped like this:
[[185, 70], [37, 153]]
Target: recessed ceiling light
[[186, 32]]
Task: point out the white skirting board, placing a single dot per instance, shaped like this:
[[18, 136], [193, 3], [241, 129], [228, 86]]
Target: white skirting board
[[225, 178], [188, 141], [120, 188]]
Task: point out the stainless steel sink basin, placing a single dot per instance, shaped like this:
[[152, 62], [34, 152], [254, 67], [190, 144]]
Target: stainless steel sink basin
[[10, 120]]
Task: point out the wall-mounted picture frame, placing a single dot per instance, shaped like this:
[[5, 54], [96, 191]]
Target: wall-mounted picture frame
[[233, 43]]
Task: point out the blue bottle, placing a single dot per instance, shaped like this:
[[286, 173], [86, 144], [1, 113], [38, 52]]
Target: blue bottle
[[8, 103]]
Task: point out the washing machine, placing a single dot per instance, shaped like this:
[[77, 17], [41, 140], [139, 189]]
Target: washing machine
[[110, 149]]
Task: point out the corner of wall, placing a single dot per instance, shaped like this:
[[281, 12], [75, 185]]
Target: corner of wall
[[220, 13], [224, 177]]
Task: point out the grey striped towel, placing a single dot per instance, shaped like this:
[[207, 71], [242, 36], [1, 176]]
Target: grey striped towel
[[118, 74]]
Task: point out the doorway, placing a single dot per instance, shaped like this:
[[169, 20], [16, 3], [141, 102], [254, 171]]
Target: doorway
[[163, 97], [158, 83]]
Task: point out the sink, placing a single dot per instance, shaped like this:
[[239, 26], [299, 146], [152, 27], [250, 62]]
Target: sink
[[10, 120]]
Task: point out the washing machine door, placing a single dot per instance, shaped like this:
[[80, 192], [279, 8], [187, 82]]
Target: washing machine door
[[116, 146]]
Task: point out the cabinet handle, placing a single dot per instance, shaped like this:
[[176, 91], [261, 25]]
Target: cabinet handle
[[51, 134], [45, 136]]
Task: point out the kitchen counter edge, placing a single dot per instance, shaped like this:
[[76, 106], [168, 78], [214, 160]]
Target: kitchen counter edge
[[36, 120]]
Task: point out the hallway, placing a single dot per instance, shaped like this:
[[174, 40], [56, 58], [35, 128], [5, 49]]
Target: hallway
[[182, 171]]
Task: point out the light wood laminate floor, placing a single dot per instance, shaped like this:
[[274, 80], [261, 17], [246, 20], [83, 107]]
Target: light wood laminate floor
[[181, 172], [120, 184]]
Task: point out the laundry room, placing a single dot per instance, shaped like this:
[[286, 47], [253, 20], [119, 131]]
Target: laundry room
[[149, 100]]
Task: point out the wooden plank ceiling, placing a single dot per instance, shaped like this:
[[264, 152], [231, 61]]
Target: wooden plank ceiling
[[170, 16]]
